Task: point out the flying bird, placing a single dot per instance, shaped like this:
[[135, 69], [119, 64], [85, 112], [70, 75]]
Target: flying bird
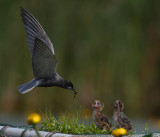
[[100, 119], [119, 117], [43, 57]]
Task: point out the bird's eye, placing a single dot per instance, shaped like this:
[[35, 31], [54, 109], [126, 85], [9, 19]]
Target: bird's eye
[[98, 103]]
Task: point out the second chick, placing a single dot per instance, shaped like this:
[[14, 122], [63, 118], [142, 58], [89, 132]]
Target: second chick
[[119, 117]]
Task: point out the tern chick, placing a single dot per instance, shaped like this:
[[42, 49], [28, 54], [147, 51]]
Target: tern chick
[[100, 120], [119, 117]]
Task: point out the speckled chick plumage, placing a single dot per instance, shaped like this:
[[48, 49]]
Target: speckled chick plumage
[[100, 120], [119, 116]]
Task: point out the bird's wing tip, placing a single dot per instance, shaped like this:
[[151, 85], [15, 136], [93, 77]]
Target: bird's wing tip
[[21, 8]]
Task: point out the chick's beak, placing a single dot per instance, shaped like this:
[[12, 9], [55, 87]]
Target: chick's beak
[[94, 106]]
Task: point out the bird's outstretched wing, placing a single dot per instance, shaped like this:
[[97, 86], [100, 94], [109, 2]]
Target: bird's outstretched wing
[[43, 61], [41, 48]]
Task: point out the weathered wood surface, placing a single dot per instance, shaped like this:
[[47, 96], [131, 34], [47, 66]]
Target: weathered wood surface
[[6, 131]]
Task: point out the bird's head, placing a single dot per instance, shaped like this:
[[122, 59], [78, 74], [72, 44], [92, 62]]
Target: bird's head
[[69, 85], [118, 105], [98, 105]]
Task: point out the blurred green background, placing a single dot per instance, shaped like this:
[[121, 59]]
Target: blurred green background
[[109, 49]]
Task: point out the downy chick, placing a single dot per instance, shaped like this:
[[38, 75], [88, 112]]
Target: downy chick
[[119, 117], [100, 120]]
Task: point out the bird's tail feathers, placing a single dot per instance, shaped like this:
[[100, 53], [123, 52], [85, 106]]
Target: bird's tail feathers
[[24, 88]]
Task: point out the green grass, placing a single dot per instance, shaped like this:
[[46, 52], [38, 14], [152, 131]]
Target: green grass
[[70, 124]]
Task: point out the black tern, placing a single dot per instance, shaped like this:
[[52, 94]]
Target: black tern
[[43, 57]]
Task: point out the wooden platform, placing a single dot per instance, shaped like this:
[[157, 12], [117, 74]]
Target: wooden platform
[[6, 131]]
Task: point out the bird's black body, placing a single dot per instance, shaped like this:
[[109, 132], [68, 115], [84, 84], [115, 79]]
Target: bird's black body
[[43, 57], [50, 82], [56, 81]]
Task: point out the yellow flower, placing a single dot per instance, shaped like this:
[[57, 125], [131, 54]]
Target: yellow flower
[[119, 132], [33, 119]]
